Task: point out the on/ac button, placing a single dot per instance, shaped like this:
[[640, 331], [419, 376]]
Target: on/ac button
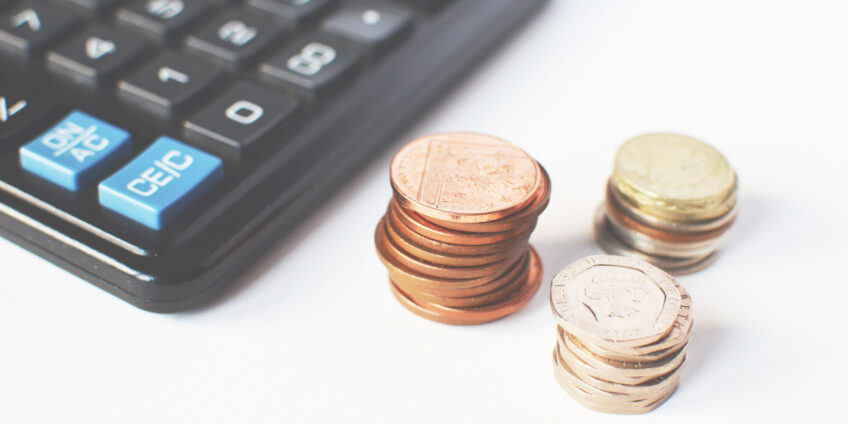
[[161, 183]]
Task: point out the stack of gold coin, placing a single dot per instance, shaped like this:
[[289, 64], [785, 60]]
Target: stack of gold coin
[[622, 330], [455, 236], [670, 201]]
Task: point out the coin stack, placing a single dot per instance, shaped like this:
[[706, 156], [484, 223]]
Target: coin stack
[[670, 201], [622, 329], [455, 236]]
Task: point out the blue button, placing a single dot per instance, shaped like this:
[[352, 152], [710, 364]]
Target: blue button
[[77, 151], [160, 183]]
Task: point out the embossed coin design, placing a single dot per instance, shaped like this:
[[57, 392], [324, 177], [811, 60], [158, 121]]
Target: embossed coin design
[[455, 236], [674, 177], [623, 326], [464, 177], [670, 201]]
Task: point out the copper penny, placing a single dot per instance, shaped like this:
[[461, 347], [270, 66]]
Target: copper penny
[[433, 231], [464, 177], [436, 295], [467, 286], [479, 315], [528, 214], [489, 297], [455, 249], [441, 271], [440, 258]]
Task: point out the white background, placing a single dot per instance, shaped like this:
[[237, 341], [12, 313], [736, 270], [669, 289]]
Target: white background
[[312, 332]]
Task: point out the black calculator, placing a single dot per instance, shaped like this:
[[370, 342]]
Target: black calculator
[[156, 148]]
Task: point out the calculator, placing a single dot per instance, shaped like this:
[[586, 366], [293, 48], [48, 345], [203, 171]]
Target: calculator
[[156, 148]]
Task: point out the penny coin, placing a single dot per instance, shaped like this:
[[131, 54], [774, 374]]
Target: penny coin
[[487, 298], [674, 177], [446, 235], [478, 315], [464, 177], [442, 286], [441, 271], [455, 249], [615, 301], [519, 219], [440, 258]]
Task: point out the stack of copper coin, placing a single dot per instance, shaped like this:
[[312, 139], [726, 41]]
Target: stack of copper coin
[[455, 236], [670, 201], [622, 330]]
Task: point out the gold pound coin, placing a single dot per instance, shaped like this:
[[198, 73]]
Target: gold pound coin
[[675, 177]]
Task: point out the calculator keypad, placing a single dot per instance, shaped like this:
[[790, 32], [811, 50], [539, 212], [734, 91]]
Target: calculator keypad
[[160, 183], [76, 151]]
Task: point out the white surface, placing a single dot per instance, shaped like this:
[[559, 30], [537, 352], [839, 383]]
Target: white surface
[[312, 333]]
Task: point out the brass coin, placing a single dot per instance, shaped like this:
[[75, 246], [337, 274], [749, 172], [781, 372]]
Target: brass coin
[[617, 214], [674, 177]]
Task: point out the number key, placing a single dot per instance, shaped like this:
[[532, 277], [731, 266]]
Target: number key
[[168, 83], [95, 56], [311, 65], [239, 119], [235, 37], [162, 18]]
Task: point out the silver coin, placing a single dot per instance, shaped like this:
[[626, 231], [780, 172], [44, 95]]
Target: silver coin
[[614, 246], [651, 246]]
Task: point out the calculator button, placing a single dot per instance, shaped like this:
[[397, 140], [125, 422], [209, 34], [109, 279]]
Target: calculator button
[[27, 30], [235, 37], [162, 18], [19, 113], [168, 83], [155, 187], [95, 56], [292, 10], [239, 119], [76, 152], [373, 23], [311, 65]]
